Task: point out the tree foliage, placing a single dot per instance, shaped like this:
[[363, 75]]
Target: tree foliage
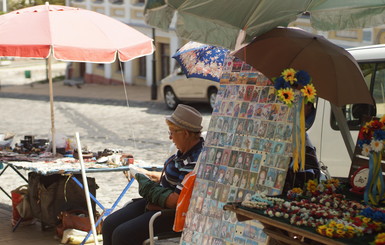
[[14, 5]]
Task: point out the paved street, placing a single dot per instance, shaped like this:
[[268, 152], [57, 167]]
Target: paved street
[[102, 118], [14, 72]]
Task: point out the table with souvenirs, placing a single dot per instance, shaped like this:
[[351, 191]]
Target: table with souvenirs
[[321, 213], [48, 177], [332, 211]]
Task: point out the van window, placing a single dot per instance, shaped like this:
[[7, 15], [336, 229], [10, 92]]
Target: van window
[[374, 74], [379, 89]]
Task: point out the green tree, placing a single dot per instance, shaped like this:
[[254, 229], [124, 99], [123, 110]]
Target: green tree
[[14, 5]]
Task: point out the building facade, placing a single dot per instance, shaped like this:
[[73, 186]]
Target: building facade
[[140, 71]]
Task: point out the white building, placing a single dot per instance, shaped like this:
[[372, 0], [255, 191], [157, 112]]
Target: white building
[[140, 71]]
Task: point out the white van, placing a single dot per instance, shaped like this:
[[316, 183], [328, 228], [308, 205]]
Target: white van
[[325, 134]]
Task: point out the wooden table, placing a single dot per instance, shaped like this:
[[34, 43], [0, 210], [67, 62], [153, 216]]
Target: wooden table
[[280, 232]]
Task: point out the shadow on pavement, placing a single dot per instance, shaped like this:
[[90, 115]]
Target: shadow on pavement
[[153, 107]]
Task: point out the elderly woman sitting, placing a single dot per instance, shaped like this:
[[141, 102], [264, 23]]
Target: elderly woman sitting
[[129, 225]]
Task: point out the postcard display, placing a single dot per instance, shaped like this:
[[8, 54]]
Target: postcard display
[[247, 151]]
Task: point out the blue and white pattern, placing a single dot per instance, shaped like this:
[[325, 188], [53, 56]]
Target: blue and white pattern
[[201, 60]]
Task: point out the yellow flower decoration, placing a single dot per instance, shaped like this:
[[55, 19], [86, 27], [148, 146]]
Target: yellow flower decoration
[[366, 127], [309, 92], [349, 235], [366, 220], [380, 238], [350, 228], [297, 190], [311, 186], [322, 227], [332, 224], [340, 233], [334, 182], [340, 226], [378, 223], [336, 229], [289, 75], [286, 95]]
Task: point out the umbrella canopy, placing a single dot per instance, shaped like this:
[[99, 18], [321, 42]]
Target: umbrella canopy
[[219, 22], [71, 34], [201, 60], [335, 73]]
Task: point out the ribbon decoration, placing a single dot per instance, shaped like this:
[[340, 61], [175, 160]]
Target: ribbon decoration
[[298, 135], [375, 188]]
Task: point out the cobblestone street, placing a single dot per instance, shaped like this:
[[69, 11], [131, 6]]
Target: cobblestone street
[[102, 122]]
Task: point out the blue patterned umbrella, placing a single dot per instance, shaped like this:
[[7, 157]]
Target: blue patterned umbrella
[[201, 60]]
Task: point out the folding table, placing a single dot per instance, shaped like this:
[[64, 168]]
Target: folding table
[[49, 168]]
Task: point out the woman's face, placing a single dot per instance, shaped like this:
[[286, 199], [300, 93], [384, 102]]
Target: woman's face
[[236, 178], [219, 154], [252, 181], [221, 173], [262, 177], [243, 182], [225, 157], [240, 159], [280, 178]]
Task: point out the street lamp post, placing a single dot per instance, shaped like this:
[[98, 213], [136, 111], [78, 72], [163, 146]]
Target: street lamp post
[[154, 87]]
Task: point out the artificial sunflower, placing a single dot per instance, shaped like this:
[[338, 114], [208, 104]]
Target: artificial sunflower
[[309, 92], [291, 79], [289, 75], [340, 233], [286, 95], [340, 226], [380, 239]]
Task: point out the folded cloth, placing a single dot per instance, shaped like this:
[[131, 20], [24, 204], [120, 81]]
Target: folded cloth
[[152, 191]]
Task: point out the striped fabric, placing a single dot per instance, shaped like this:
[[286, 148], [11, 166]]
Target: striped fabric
[[178, 165]]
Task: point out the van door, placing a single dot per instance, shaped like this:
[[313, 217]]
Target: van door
[[330, 146], [325, 134]]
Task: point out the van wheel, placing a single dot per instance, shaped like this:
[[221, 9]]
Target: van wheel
[[212, 95], [170, 98]]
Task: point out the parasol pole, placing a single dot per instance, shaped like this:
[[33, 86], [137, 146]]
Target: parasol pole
[[51, 104], [86, 191], [344, 129]]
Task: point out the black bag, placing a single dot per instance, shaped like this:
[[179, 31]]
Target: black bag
[[300, 178], [50, 195]]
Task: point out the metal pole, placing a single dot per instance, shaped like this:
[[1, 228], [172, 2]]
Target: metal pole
[[86, 191], [154, 87], [53, 132]]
